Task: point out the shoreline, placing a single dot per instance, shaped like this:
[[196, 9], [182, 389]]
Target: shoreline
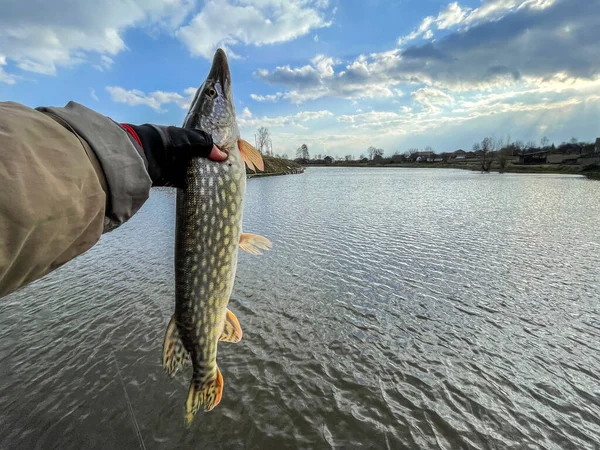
[[275, 167], [589, 173]]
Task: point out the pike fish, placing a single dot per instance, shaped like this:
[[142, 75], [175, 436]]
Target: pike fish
[[208, 235]]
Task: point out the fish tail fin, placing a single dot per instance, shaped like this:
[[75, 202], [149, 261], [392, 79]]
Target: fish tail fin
[[207, 395], [174, 353]]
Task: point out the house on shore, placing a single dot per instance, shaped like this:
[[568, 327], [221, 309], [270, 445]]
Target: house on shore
[[562, 158], [540, 157]]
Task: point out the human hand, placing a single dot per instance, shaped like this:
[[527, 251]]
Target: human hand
[[168, 149]]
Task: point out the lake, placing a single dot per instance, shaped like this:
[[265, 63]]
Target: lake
[[398, 308]]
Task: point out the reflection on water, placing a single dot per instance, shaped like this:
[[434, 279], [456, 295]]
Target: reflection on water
[[397, 309]]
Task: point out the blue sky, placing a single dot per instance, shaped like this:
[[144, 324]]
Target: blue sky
[[338, 75]]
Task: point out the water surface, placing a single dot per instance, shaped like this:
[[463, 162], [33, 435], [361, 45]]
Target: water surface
[[398, 308]]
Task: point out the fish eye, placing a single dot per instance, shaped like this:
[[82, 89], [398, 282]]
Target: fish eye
[[211, 92]]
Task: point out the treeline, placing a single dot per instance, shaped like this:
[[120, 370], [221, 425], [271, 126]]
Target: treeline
[[488, 150]]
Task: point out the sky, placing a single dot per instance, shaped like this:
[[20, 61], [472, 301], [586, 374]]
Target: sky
[[336, 75]]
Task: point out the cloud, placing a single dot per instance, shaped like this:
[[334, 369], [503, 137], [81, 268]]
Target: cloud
[[455, 16], [5, 77], [266, 98], [154, 100], [432, 100], [229, 23], [93, 94], [247, 120], [504, 43], [41, 36]]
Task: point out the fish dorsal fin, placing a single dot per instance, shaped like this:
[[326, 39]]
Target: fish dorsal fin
[[254, 243], [251, 156], [232, 331]]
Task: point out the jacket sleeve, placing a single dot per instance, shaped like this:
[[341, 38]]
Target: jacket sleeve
[[58, 193]]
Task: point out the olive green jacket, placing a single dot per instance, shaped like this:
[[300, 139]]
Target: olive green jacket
[[67, 175]]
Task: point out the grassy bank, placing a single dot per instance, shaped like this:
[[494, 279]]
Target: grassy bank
[[276, 166], [592, 172]]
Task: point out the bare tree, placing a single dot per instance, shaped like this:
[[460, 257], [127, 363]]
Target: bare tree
[[476, 147], [302, 152], [374, 152], [411, 152], [545, 142], [348, 157], [263, 139], [487, 146]]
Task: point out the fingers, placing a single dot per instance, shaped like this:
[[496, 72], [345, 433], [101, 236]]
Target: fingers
[[217, 155]]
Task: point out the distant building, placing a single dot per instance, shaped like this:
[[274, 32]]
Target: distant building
[[422, 156], [459, 154], [589, 159], [328, 160], [561, 158], [534, 158]]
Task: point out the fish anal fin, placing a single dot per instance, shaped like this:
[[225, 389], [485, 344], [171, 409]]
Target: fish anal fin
[[232, 331], [251, 156], [254, 243], [206, 396], [175, 356]]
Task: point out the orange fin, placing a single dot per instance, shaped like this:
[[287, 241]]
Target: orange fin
[[254, 243], [251, 156], [232, 331], [207, 396]]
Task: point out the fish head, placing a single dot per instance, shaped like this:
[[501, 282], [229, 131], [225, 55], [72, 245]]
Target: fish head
[[213, 108]]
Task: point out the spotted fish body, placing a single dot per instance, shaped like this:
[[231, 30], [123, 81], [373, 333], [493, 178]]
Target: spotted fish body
[[208, 235]]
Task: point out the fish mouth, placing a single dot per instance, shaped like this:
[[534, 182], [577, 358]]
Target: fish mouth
[[220, 69]]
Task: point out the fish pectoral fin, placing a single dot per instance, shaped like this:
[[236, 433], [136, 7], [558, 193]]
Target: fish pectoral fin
[[251, 156], [253, 243], [174, 353], [232, 331], [208, 396]]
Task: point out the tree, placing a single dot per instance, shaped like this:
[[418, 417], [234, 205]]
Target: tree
[[476, 147], [302, 152], [487, 146], [348, 157], [263, 139], [545, 142], [375, 153], [411, 152]]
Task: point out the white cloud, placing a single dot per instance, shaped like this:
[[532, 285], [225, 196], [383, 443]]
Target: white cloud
[[93, 94], [540, 38], [227, 23], [266, 98], [432, 100], [5, 77], [456, 16], [246, 114], [154, 100], [41, 36], [248, 121]]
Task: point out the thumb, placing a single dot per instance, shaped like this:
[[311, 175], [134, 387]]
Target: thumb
[[217, 155]]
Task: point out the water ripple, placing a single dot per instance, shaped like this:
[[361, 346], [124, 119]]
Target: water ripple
[[398, 309]]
